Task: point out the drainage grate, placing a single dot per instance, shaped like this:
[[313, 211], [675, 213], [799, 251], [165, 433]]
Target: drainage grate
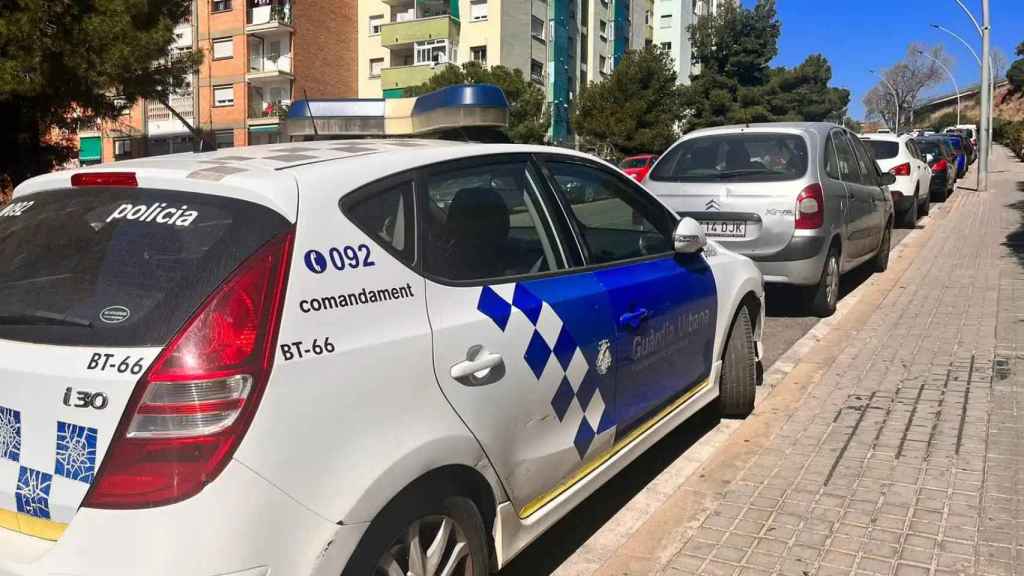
[[1001, 367]]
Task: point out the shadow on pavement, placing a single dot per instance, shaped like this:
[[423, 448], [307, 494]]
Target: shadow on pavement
[[556, 545], [791, 301]]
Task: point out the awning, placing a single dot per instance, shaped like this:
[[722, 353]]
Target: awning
[[90, 149], [268, 129]]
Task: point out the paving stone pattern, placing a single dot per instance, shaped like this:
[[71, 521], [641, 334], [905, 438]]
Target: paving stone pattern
[[906, 458]]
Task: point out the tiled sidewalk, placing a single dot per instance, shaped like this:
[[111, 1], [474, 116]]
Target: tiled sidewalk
[[897, 446]]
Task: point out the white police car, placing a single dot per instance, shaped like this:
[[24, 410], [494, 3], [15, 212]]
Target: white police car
[[364, 357]]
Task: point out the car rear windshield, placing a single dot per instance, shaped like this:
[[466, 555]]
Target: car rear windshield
[[746, 157], [929, 147], [882, 149], [634, 162], [119, 266]]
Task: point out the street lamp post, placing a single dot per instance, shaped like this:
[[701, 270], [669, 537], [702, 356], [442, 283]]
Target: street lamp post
[[983, 164], [951, 77], [895, 99]]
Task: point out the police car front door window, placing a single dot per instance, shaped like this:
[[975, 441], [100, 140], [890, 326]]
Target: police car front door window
[[614, 222], [486, 222]]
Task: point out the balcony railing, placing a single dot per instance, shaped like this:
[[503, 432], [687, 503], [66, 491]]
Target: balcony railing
[[261, 64], [266, 15], [394, 34], [274, 110]]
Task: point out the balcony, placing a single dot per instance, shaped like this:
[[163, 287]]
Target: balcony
[[268, 65], [263, 16], [160, 121], [406, 76], [397, 34], [264, 113]]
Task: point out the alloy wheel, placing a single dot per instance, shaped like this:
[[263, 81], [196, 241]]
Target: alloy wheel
[[447, 551], [832, 280]]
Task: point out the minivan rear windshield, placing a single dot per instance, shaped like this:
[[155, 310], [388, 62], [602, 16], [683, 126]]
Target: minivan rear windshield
[[119, 266], [635, 162], [745, 157], [882, 149]]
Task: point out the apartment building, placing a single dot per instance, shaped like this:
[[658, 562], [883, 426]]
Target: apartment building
[[259, 55], [558, 44], [672, 21]]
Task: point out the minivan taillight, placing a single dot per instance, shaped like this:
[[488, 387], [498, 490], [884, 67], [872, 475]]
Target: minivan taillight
[[810, 208], [192, 407], [901, 170]]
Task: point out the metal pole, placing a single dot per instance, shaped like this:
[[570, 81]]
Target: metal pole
[[986, 93], [981, 89], [895, 98], [951, 77]]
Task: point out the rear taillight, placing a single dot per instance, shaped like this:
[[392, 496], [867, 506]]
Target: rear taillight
[[192, 407], [939, 166], [104, 179], [810, 208], [901, 170]]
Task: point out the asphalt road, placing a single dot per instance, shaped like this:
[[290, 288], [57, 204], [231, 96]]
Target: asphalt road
[[786, 323]]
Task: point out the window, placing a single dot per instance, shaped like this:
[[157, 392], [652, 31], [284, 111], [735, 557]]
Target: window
[[665, 21], [735, 157], [485, 222], [628, 223], [848, 169], [666, 46], [602, 64], [479, 54], [432, 52], [224, 138], [883, 149], [603, 29], [223, 48], [647, 17], [122, 148], [831, 161], [478, 10], [868, 167], [220, 5], [387, 216], [536, 71], [224, 95], [537, 28], [376, 65], [376, 21]]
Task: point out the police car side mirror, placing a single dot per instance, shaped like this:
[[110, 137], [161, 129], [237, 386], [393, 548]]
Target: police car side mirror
[[689, 237]]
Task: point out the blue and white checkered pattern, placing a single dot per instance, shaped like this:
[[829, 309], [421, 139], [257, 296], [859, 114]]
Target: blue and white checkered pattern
[[554, 358], [74, 466], [10, 434]]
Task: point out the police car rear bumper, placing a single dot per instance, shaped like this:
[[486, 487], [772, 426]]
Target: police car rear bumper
[[224, 530]]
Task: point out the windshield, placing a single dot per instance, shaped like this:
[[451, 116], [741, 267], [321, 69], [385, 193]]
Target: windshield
[[882, 149], [635, 162], [118, 266], [929, 147], [744, 157]]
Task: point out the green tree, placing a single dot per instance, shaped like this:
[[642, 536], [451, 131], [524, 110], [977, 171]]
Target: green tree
[[63, 60], [636, 109], [528, 115], [736, 84]]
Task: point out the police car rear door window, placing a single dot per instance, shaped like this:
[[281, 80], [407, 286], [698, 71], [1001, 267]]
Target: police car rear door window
[[120, 266]]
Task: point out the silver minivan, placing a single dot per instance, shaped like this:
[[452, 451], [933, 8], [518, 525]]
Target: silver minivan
[[805, 200]]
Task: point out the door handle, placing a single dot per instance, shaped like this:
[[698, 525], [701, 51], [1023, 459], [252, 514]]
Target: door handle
[[633, 319], [477, 365]]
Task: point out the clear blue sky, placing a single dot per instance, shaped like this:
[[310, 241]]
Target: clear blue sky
[[857, 35]]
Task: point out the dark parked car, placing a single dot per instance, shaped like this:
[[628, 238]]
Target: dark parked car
[[942, 159], [957, 143]]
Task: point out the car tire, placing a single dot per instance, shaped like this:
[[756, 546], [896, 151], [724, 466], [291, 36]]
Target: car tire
[[737, 384], [825, 294], [880, 262], [389, 541], [926, 206], [909, 217], [940, 195]]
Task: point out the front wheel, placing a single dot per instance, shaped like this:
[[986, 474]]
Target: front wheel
[[738, 383], [825, 294], [880, 262]]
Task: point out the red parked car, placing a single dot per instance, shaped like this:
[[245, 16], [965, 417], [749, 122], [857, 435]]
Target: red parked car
[[637, 166]]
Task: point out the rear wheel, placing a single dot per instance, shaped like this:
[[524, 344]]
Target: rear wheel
[[425, 538], [909, 217], [940, 195], [926, 206], [825, 294], [738, 382]]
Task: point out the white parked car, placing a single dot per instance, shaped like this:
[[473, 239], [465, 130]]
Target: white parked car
[[899, 156], [364, 357]]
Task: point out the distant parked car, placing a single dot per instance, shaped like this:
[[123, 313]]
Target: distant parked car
[[969, 130], [899, 156], [638, 166], [967, 142], [806, 201], [961, 154], [942, 160]]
